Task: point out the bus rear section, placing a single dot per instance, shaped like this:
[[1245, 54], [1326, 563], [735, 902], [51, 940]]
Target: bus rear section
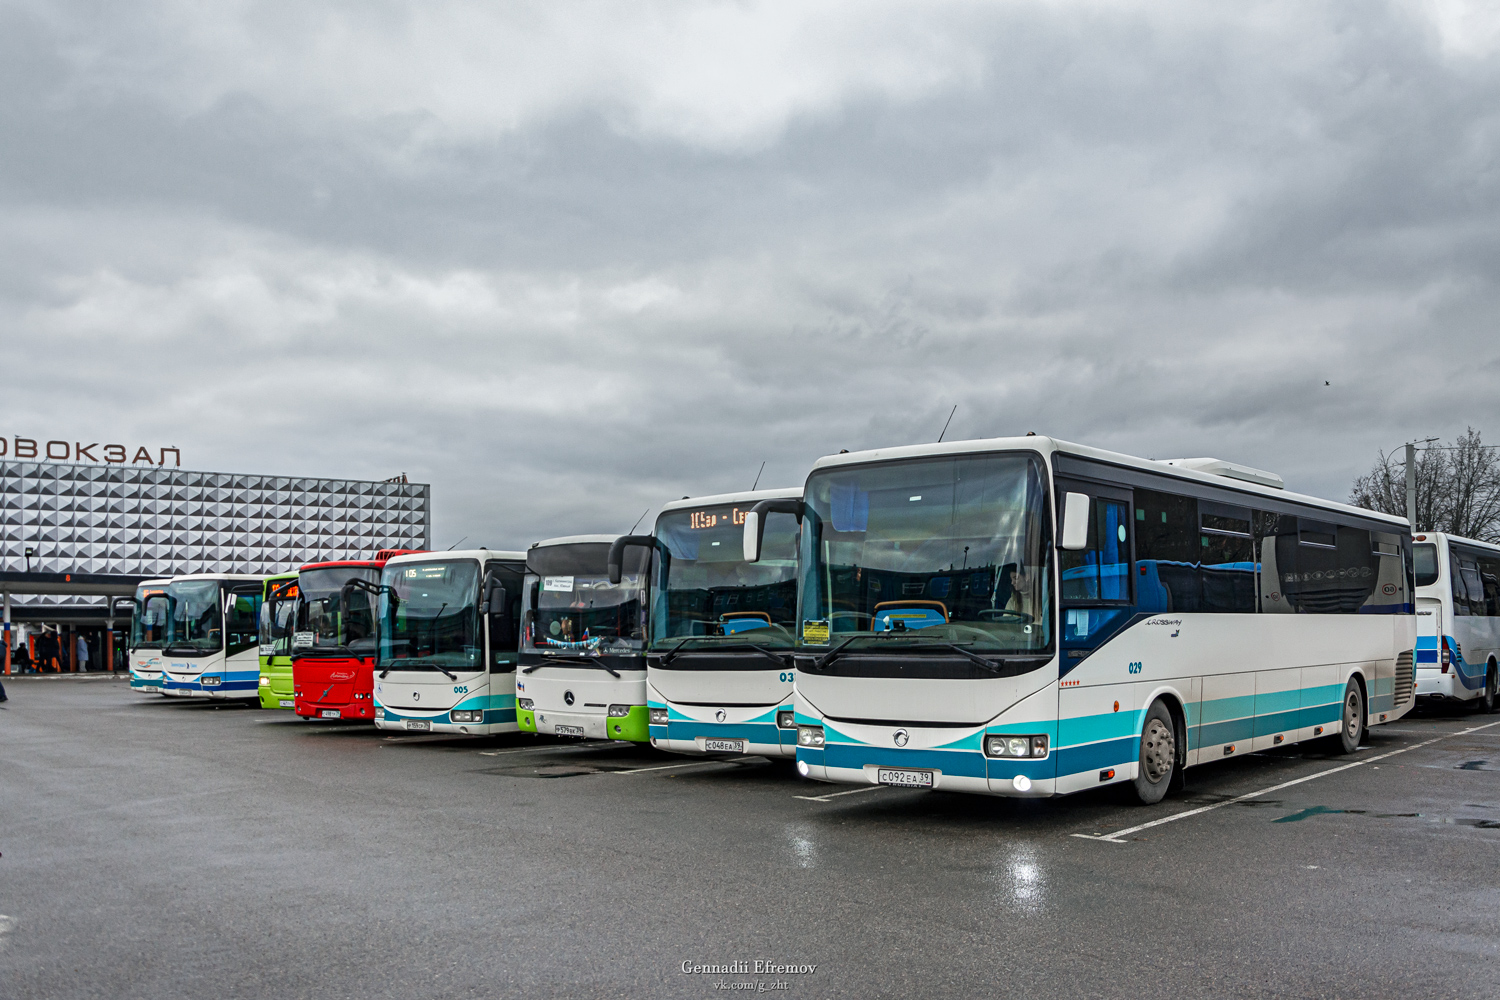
[[150, 622], [582, 657], [1458, 619], [1025, 617], [277, 618], [719, 676], [446, 652], [213, 642], [333, 639]]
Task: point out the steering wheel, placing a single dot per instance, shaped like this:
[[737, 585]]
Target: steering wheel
[[1005, 614]]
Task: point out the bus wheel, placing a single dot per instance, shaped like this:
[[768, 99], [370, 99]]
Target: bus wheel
[[1487, 700], [1352, 720], [1158, 755]]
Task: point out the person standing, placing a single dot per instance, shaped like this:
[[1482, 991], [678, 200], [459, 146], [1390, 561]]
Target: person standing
[[83, 653], [21, 661]]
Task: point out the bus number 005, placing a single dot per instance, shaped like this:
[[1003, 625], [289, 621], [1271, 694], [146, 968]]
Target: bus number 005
[[1135, 668], [460, 689]]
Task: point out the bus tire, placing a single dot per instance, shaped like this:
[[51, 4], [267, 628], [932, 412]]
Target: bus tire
[[1487, 700], [1351, 719], [1158, 761]]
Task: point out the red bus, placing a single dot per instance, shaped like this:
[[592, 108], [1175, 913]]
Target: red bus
[[333, 643]]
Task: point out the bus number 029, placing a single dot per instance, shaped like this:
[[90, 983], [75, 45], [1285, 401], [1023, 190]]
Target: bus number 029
[[1135, 668]]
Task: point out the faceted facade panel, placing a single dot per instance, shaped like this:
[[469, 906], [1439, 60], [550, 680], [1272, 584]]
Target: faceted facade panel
[[159, 522]]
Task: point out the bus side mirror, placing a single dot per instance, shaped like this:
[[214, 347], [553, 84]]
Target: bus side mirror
[[496, 604], [124, 602], [1075, 526], [617, 553], [755, 523], [752, 537]]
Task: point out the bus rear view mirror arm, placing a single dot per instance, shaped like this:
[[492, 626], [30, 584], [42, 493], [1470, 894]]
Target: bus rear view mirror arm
[[755, 523], [617, 553], [119, 602], [1075, 522]]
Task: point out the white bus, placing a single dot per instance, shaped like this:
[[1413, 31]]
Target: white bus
[[148, 632], [213, 636], [1023, 616], [446, 658], [583, 638], [719, 667], [1458, 618]]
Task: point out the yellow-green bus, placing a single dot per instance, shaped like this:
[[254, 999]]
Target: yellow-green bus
[[278, 616]]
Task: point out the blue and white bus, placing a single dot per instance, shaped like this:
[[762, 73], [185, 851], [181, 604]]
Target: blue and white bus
[[719, 669], [1458, 619], [1024, 616], [447, 642], [149, 621], [583, 640], [213, 636]]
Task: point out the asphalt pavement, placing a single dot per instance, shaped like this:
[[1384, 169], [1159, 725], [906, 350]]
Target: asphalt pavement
[[167, 849]]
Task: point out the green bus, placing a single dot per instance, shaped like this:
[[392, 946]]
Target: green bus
[[278, 617]]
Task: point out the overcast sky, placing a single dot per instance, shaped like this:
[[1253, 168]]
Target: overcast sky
[[567, 261]]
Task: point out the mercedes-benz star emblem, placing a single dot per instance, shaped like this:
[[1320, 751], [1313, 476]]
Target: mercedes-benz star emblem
[[900, 736], [568, 697], [721, 715]]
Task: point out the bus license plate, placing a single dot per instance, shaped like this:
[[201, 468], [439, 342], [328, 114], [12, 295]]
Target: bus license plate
[[725, 746], [570, 730], [904, 779], [330, 713], [421, 725], [288, 703]]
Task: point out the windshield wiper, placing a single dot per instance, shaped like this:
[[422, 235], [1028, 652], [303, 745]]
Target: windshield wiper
[[435, 666], [580, 660], [832, 654], [958, 648], [729, 647]]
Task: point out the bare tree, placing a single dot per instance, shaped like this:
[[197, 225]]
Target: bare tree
[[1458, 488]]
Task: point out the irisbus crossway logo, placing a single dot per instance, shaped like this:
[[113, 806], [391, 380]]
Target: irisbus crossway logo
[[900, 737]]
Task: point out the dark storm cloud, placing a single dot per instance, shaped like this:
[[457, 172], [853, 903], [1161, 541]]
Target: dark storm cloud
[[569, 263]]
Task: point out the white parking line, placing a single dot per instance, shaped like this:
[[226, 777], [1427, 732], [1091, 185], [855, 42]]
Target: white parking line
[[833, 795], [1114, 838]]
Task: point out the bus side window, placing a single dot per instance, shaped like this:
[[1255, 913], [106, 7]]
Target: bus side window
[[1457, 579], [1166, 551], [1489, 578]]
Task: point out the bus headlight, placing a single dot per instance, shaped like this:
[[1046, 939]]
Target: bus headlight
[[466, 715], [658, 716], [619, 711], [211, 681], [525, 704], [786, 720], [809, 736], [1015, 746], [265, 682]]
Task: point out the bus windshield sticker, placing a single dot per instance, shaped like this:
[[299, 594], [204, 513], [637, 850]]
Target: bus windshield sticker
[[561, 584], [302, 640], [815, 631]]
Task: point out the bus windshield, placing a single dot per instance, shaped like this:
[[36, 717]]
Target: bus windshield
[[150, 628], [430, 617], [709, 595], [954, 549], [277, 617], [334, 620], [571, 608], [197, 616]]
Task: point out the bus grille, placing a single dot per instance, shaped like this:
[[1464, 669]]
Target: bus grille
[[1404, 678]]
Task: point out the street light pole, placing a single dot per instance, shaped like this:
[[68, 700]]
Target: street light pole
[[1411, 485]]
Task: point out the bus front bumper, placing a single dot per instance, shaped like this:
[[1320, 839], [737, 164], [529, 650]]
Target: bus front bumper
[[696, 730]]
